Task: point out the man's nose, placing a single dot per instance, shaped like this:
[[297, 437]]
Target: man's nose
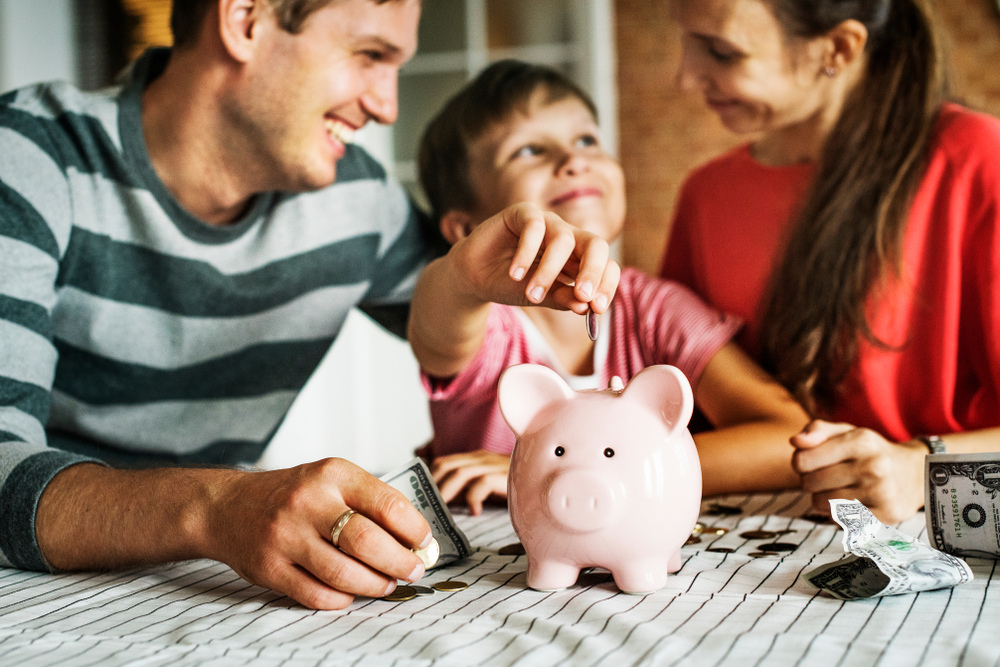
[[381, 100]]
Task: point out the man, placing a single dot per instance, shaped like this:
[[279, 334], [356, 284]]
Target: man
[[177, 256]]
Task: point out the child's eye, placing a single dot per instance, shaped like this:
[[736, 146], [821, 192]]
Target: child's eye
[[527, 151], [587, 141]]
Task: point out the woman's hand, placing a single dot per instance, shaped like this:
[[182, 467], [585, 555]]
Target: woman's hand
[[479, 474], [843, 461]]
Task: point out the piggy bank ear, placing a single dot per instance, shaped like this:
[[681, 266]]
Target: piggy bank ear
[[525, 390], [666, 391]]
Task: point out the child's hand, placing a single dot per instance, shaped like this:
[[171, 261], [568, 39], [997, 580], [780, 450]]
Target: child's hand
[[523, 256], [479, 474]]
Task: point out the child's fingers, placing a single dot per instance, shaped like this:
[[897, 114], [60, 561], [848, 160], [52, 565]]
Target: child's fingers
[[560, 244], [527, 223], [493, 484], [594, 257]]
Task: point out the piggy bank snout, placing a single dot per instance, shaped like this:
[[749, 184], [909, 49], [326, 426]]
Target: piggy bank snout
[[580, 500]]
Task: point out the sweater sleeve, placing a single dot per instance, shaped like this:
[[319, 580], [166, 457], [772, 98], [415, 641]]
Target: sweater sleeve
[[34, 222]]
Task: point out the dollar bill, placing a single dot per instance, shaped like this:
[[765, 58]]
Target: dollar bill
[[962, 503], [882, 560], [416, 483]]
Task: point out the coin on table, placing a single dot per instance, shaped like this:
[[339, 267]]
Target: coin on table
[[401, 594], [778, 546], [727, 510], [759, 535], [516, 549], [450, 586], [422, 590], [763, 554], [786, 531], [715, 530], [694, 539], [698, 528], [429, 554], [721, 550]]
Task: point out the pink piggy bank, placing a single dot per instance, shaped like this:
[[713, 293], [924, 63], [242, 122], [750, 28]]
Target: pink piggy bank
[[601, 478]]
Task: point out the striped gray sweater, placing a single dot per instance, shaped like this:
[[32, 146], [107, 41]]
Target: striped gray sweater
[[134, 333]]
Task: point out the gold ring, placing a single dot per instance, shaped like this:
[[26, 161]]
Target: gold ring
[[338, 527]]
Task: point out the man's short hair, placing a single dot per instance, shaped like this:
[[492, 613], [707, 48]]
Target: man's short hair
[[186, 16], [502, 89]]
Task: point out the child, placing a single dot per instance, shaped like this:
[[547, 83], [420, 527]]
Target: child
[[525, 133]]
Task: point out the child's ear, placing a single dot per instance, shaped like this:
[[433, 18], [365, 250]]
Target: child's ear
[[456, 225]]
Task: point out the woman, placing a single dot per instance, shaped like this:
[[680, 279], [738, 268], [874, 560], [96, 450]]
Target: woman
[[858, 235]]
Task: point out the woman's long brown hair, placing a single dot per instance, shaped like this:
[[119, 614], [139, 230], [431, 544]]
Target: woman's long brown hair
[[850, 227]]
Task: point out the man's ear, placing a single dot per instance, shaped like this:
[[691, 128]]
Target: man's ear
[[456, 225], [238, 20]]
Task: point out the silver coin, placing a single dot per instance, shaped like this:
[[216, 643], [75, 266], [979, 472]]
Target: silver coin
[[429, 554], [592, 325]]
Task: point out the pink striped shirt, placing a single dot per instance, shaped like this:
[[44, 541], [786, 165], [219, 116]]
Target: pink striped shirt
[[653, 321]]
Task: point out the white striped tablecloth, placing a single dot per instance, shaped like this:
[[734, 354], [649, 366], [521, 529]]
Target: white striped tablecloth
[[720, 609]]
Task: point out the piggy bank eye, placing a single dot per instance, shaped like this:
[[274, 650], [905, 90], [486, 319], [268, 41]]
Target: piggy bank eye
[[560, 451], [609, 452]]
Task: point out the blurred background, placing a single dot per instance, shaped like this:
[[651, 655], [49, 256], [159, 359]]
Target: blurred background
[[365, 402]]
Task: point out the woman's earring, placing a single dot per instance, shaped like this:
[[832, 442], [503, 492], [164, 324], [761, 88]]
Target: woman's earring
[[830, 71]]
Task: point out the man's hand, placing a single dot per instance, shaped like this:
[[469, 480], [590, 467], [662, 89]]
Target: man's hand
[[273, 528], [843, 461], [479, 474]]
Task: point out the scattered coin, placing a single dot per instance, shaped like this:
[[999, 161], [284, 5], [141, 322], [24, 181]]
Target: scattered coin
[[401, 594], [450, 586], [516, 549], [429, 554], [763, 554], [721, 550], [715, 530], [694, 539], [759, 535], [422, 590], [727, 510], [778, 546], [786, 531], [698, 528]]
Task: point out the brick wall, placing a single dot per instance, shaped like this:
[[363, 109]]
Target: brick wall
[[665, 133]]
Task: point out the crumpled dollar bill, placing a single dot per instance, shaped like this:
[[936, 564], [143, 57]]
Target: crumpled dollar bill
[[962, 503], [882, 560], [415, 482]]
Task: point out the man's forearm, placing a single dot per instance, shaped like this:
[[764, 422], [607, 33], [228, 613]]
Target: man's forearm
[[91, 517]]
